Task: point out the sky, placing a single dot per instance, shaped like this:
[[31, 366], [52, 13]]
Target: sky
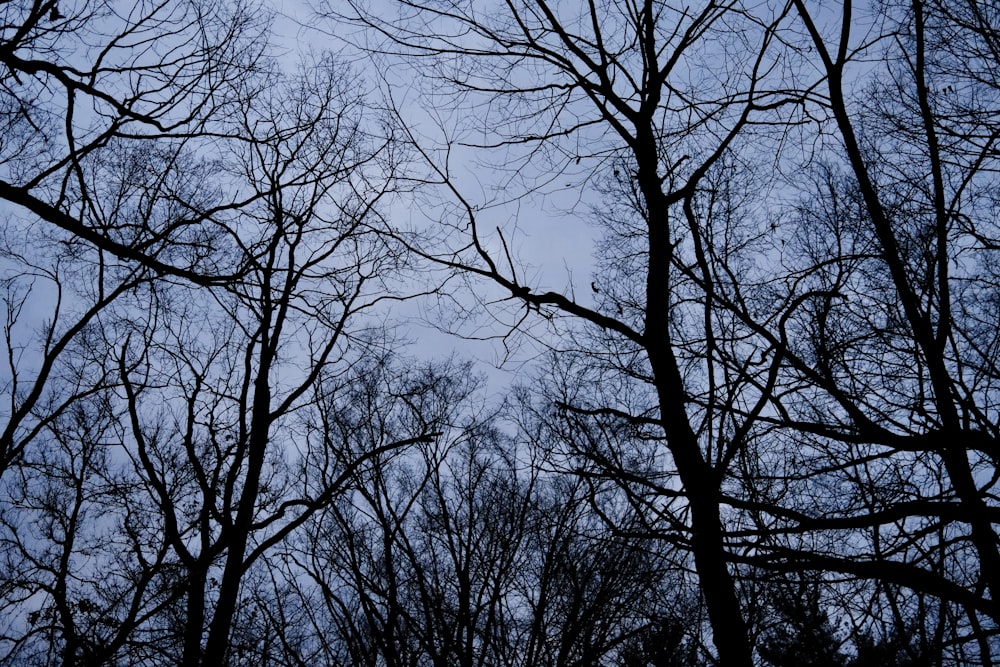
[[547, 232]]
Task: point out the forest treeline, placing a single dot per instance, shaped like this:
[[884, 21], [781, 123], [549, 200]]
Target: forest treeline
[[759, 428]]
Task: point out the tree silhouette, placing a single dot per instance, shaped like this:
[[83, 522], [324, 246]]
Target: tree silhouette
[[759, 427]]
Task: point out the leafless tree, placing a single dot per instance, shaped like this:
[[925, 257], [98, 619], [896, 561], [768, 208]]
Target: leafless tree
[[774, 397], [795, 275], [210, 448], [143, 78], [477, 552], [896, 399], [656, 100]]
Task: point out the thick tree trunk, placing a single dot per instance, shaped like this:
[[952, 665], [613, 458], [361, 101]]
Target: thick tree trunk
[[701, 482], [195, 621], [217, 644]]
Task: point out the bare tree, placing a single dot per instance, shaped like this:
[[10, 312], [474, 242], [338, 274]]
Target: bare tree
[[776, 393], [211, 448], [82, 80], [895, 397], [475, 553], [656, 100], [794, 278]]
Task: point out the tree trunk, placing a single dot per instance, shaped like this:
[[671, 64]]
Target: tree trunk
[[700, 480]]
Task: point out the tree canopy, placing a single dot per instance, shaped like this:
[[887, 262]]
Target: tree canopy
[[757, 427]]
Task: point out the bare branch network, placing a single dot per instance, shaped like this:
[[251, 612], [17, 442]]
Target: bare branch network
[[742, 256]]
